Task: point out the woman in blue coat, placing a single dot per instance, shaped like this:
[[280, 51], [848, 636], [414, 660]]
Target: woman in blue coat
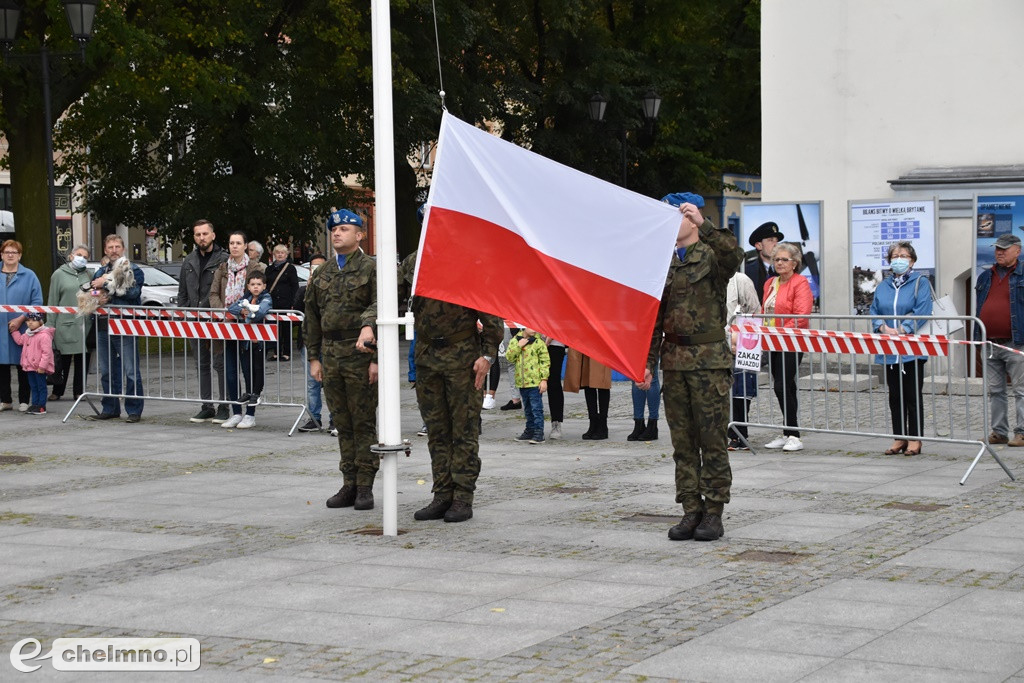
[[903, 293], [18, 286]]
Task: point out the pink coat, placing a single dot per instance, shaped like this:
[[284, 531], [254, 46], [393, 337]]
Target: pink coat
[[36, 350]]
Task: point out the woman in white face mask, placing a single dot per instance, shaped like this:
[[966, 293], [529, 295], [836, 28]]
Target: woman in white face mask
[[903, 293], [65, 283]]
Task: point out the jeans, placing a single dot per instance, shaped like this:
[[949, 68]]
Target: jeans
[[205, 357], [250, 356], [1001, 363], [119, 354], [651, 397], [314, 402], [533, 406], [37, 382]]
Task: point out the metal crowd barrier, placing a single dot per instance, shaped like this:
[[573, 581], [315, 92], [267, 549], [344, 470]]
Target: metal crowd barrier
[[841, 389], [167, 342]]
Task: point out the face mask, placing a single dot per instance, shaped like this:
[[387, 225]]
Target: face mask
[[78, 262], [899, 265]]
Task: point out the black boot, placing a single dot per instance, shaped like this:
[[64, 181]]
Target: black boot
[[650, 433], [592, 413], [364, 498], [344, 498], [638, 429], [589, 434], [435, 510], [460, 511], [601, 432]]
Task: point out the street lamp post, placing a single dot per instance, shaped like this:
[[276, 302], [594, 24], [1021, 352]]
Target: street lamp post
[[650, 105], [80, 15]]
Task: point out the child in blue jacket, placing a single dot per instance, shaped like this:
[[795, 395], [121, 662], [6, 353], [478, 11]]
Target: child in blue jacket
[[252, 308]]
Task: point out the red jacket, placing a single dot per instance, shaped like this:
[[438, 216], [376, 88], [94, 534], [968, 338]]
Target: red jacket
[[794, 297]]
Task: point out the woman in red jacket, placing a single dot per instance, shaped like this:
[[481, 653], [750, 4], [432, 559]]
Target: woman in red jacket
[[790, 293]]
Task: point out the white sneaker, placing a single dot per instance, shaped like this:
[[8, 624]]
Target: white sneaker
[[488, 401], [793, 444], [6, 406], [249, 421], [334, 432], [556, 430], [23, 407], [778, 442], [231, 422]]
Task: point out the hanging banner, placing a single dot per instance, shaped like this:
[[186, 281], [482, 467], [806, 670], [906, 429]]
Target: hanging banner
[[996, 215], [874, 226], [799, 223]]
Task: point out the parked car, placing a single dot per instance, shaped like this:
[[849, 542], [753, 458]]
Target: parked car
[[158, 288], [173, 269]]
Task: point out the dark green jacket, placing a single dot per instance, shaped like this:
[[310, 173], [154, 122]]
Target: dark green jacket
[[339, 303], [693, 303]]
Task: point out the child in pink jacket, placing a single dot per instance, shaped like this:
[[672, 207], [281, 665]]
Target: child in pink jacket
[[36, 359]]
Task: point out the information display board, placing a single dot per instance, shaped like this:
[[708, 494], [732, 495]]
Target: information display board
[[996, 215], [876, 224]]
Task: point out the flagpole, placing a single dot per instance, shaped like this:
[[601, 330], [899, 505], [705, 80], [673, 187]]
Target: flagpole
[[389, 427]]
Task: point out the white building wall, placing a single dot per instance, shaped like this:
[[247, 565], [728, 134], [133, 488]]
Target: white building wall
[[859, 92]]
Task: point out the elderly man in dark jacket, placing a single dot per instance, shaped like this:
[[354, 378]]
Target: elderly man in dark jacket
[[194, 292]]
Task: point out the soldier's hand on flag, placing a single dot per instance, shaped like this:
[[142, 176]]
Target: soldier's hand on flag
[[646, 384], [692, 213]]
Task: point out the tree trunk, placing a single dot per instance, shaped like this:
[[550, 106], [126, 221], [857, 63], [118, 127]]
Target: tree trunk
[[30, 197]]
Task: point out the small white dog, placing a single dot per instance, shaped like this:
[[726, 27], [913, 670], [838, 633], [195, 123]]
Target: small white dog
[[120, 279]]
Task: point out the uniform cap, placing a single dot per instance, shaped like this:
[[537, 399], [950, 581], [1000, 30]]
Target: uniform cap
[[677, 199], [764, 231], [342, 217]]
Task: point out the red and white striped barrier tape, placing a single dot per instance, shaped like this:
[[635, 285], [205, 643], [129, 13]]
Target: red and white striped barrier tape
[[164, 313], [193, 330], [832, 341]]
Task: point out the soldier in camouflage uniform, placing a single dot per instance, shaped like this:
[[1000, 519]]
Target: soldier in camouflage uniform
[[341, 311], [697, 366], [452, 360]]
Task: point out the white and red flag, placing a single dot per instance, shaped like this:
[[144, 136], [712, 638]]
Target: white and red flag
[[512, 233]]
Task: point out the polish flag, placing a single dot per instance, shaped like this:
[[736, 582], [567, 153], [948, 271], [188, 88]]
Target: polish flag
[[514, 234]]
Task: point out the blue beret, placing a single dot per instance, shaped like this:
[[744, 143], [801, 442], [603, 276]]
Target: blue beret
[[341, 217], [677, 199]]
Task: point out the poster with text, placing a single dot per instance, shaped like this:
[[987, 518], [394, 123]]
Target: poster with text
[[874, 226], [799, 223], [997, 215]]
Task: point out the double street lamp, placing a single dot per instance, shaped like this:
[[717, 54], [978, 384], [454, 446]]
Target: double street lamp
[[80, 15], [650, 104]]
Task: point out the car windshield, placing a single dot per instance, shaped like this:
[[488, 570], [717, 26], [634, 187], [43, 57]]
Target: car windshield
[[156, 277]]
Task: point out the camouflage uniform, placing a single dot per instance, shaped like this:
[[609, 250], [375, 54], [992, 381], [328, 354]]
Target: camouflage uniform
[[697, 367], [449, 401], [338, 304]]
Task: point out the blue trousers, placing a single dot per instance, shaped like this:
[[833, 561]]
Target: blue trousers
[[533, 406], [37, 382], [119, 367]]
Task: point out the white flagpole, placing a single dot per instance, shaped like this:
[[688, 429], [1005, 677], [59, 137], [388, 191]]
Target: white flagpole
[[389, 426]]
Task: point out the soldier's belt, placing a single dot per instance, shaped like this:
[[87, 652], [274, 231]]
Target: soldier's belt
[[442, 342], [340, 335], [692, 339]]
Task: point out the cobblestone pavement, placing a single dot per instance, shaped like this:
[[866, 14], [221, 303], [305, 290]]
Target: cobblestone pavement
[[838, 562]]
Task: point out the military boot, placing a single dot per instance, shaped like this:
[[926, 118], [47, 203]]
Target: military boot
[[650, 433], [364, 498], [684, 530], [435, 510], [460, 511], [638, 429], [344, 498], [710, 528]]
